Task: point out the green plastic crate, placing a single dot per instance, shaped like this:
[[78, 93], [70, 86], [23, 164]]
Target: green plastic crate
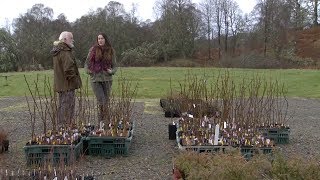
[[278, 135], [37, 155], [201, 149], [205, 149], [248, 151], [107, 146], [265, 150]]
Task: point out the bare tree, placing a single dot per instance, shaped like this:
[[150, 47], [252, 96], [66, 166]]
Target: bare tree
[[218, 22], [226, 8], [207, 15], [298, 13], [236, 23], [133, 11]]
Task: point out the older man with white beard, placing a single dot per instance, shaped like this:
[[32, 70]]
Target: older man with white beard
[[66, 77]]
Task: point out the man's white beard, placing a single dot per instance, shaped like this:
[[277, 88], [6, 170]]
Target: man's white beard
[[71, 45]]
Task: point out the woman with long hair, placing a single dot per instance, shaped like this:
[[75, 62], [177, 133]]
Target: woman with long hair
[[101, 66]]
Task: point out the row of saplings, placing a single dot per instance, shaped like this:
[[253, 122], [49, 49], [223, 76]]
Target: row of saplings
[[50, 153], [249, 117]]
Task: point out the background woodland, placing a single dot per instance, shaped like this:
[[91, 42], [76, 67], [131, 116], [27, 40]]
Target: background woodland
[[276, 34]]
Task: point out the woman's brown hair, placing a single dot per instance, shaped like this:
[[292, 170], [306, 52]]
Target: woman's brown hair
[[104, 52]]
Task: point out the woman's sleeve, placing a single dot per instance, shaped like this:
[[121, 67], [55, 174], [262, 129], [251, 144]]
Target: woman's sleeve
[[114, 63]]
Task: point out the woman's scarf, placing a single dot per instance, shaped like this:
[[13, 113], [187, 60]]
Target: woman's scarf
[[97, 65]]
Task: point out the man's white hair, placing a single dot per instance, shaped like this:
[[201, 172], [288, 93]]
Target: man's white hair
[[64, 35]]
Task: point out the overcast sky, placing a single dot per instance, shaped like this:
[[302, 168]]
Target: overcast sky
[[74, 9]]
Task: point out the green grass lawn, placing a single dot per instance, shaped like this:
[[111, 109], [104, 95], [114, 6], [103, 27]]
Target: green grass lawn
[[154, 82]]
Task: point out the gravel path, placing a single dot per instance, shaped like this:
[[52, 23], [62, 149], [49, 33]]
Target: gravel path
[[151, 152]]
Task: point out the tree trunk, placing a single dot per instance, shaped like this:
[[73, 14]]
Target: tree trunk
[[315, 21], [265, 30], [297, 15], [226, 24], [219, 35], [209, 43]]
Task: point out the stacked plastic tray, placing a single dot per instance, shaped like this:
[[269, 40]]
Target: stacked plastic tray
[[247, 151], [108, 146], [37, 155], [278, 135]]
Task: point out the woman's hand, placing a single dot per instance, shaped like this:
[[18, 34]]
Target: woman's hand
[[88, 72], [109, 71]]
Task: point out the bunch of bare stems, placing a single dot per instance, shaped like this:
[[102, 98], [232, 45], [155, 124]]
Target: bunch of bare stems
[[119, 108], [85, 110], [48, 172], [252, 102], [43, 103]]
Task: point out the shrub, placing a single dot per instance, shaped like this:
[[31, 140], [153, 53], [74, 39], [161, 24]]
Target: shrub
[[294, 167], [258, 61], [234, 166], [144, 55], [180, 63]]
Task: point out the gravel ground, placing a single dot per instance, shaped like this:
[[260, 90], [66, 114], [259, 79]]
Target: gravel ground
[[151, 151]]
